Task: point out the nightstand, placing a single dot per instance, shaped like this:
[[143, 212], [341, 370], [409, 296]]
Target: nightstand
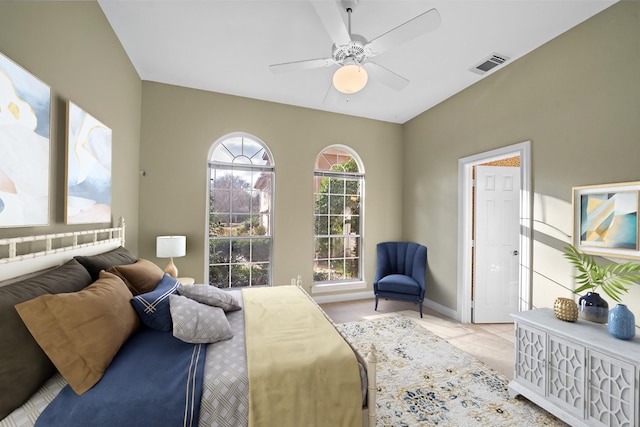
[[186, 280]]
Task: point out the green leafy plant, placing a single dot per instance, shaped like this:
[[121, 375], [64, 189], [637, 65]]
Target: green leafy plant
[[614, 278]]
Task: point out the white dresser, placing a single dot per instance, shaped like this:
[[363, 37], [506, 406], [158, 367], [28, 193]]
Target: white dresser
[[576, 370]]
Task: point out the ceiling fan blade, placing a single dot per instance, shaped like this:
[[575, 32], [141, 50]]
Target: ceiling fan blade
[[301, 65], [387, 77], [329, 14], [421, 24]]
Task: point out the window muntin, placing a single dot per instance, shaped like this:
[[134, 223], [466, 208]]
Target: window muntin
[[241, 179], [338, 188]]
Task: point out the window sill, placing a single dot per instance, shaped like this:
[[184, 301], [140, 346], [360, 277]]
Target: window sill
[[337, 287]]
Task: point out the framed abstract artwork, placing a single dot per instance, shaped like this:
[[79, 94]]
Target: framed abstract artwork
[[25, 118], [606, 219], [88, 172]]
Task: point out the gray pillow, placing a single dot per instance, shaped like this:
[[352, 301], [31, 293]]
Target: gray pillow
[[197, 323], [24, 367], [210, 295]]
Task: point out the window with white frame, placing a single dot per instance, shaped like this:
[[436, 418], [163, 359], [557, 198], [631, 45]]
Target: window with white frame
[[338, 190], [241, 180]]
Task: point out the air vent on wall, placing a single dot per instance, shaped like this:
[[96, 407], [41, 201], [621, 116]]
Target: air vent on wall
[[489, 63]]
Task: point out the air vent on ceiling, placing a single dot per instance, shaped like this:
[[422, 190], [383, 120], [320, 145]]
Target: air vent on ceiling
[[489, 63]]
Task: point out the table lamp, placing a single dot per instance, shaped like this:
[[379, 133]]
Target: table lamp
[[171, 247]]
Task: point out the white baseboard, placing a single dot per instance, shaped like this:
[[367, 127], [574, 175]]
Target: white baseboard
[[337, 287], [439, 308], [343, 297]]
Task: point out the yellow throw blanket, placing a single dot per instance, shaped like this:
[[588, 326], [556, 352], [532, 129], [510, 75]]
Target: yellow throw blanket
[[301, 371]]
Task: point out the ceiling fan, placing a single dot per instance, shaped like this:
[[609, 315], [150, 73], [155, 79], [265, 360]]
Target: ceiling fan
[[352, 52]]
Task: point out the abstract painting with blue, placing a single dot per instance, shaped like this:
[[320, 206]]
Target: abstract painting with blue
[[25, 115], [88, 168], [610, 220]]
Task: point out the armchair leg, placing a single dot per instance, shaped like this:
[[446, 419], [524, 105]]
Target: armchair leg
[[420, 309], [376, 307]]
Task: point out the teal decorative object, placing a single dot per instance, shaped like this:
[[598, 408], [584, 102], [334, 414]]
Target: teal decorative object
[[622, 322]]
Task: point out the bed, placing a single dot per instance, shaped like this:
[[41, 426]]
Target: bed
[[92, 335]]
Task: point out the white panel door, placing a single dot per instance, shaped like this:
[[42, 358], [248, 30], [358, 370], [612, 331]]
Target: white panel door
[[497, 211]]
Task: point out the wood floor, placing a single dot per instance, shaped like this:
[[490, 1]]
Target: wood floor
[[491, 343]]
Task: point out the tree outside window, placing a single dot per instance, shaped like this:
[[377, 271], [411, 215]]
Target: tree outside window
[[337, 216], [240, 212]]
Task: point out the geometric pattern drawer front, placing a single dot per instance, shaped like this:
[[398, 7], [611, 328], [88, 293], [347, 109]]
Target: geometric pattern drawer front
[[589, 378], [530, 362], [566, 366], [612, 397]]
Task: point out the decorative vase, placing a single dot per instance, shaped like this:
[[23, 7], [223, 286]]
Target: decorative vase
[[593, 307], [622, 322], [565, 309]]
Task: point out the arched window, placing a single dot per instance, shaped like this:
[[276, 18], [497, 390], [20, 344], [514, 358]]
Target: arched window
[[338, 190], [241, 180]]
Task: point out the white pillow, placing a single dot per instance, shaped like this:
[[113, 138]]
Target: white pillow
[[210, 295], [197, 323]]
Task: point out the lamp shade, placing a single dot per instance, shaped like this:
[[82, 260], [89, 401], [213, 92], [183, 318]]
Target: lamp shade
[[171, 246], [350, 78]]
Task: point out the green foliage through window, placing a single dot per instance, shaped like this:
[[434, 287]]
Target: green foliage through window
[[337, 218], [240, 214]]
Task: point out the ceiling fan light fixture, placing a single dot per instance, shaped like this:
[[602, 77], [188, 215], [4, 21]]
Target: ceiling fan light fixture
[[350, 78]]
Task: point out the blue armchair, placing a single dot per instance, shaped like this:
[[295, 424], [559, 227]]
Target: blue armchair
[[401, 272]]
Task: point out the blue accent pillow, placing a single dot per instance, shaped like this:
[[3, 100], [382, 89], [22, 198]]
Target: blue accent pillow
[[153, 307]]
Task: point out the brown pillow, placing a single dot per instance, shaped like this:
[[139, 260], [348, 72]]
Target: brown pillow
[[82, 331], [104, 261], [24, 367], [141, 277]]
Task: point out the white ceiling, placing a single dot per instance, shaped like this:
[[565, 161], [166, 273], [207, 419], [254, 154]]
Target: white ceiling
[[227, 46]]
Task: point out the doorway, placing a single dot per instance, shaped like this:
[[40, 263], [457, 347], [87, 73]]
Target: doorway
[[496, 258], [522, 271]]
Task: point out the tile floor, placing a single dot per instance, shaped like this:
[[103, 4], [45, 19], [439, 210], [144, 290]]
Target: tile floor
[[491, 343]]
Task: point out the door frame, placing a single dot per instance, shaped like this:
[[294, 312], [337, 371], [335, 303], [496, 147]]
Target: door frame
[[465, 218]]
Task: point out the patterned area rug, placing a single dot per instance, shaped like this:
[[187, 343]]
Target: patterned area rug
[[424, 380]]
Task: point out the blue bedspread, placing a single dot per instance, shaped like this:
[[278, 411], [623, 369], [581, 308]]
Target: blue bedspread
[[154, 380]]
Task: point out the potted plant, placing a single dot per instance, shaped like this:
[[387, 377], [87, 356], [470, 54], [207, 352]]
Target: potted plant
[[613, 278]]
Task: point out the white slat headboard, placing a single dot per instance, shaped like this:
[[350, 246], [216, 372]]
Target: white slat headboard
[[24, 255]]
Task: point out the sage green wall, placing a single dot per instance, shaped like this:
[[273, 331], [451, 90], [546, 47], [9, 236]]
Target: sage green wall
[[577, 98], [71, 47], [180, 125]]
